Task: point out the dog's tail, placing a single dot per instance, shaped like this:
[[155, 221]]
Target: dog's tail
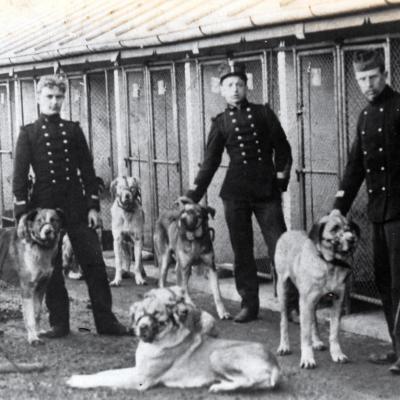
[[274, 278]]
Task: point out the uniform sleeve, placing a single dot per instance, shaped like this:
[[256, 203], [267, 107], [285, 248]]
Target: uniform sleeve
[[353, 177], [22, 162], [85, 165], [212, 160], [282, 151]]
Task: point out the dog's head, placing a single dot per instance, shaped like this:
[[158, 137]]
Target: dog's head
[[126, 189], [42, 226], [193, 217], [151, 319], [335, 236]]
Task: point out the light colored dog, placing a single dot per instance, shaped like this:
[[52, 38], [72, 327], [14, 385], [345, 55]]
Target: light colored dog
[[184, 238], [316, 265], [127, 224], [176, 355], [27, 257]]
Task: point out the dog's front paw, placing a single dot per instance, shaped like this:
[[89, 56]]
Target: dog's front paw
[[116, 282], [223, 314], [140, 280], [283, 350], [34, 340], [339, 358], [307, 362]]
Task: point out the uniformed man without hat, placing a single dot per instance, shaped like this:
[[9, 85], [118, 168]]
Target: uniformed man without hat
[[375, 158], [258, 172], [58, 154]]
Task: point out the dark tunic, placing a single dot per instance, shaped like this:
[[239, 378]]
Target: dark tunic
[[375, 157], [257, 147]]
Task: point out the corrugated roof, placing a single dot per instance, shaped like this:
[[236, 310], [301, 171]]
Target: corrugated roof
[[37, 27]]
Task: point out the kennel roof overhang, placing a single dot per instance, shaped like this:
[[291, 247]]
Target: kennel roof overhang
[[89, 31]]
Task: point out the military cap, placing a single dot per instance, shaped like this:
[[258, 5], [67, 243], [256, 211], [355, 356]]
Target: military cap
[[365, 60], [232, 69]]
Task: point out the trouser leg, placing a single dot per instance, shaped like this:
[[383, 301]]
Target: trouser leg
[[270, 218], [382, 273], [392, 234], [86, 246], [238, 218]]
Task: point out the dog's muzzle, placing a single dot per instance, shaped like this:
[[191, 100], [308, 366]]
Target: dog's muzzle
[[46, 237]]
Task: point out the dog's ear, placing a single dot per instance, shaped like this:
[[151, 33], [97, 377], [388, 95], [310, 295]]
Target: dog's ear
[[316, 230], [182, 200], [24, 223], [355, 228], [113, 188], [61, 215], [211, 211]]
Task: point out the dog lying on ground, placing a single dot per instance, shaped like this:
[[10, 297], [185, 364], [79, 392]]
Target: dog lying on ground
[[183, 237], [27, 255], [127, 224], [316, 265], [177, 355]]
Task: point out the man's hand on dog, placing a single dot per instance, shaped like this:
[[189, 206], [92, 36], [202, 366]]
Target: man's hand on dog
[[94, 219]]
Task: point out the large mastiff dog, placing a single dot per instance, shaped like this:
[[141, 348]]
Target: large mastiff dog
[[183, 237], [175, 355], [27, 256], [127, 225], [316, 265]]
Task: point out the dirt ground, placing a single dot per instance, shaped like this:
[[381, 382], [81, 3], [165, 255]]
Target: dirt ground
[[85, 352]]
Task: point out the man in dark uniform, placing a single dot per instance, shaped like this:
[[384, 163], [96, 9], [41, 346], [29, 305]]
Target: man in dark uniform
[[259, 170], [58, 154], [375, 157]]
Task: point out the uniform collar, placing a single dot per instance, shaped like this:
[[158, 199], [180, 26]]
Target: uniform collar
[[386, 93], [240, 106], [49, 118]]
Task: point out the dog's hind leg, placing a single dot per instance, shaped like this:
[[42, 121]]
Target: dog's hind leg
[[334, 345], [284, 345], [164, 258], [317, 343], [138, 267], [214, 284]]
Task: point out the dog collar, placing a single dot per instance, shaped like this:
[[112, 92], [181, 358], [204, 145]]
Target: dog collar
[[336, 262]]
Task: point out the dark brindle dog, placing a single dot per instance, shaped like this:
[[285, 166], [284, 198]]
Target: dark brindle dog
[[27, 255], [183, 236]]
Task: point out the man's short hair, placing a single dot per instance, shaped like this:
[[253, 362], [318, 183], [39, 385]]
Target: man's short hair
[[364, 60], [51, 81]]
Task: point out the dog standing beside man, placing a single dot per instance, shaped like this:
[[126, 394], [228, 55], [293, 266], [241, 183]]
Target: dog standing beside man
[[258, 173], [56, 150]]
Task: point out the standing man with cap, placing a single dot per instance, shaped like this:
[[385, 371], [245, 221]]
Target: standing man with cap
[[374, 156], [59, 156], [259, 171]]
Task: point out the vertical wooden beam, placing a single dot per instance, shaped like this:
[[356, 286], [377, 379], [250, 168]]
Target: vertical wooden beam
[[120, 122]]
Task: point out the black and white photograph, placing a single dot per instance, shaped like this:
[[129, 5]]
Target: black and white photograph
[[200, 199]]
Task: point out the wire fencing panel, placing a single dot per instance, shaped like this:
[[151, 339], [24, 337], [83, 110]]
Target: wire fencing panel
[[165, 140], [363, 277], [6, 147], [320, 145], [139, 133], [100, 132]]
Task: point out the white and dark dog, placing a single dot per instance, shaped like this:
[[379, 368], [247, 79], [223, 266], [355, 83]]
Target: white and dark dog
[[317, 265], [175, 350], [127, 225], [27, 258]]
